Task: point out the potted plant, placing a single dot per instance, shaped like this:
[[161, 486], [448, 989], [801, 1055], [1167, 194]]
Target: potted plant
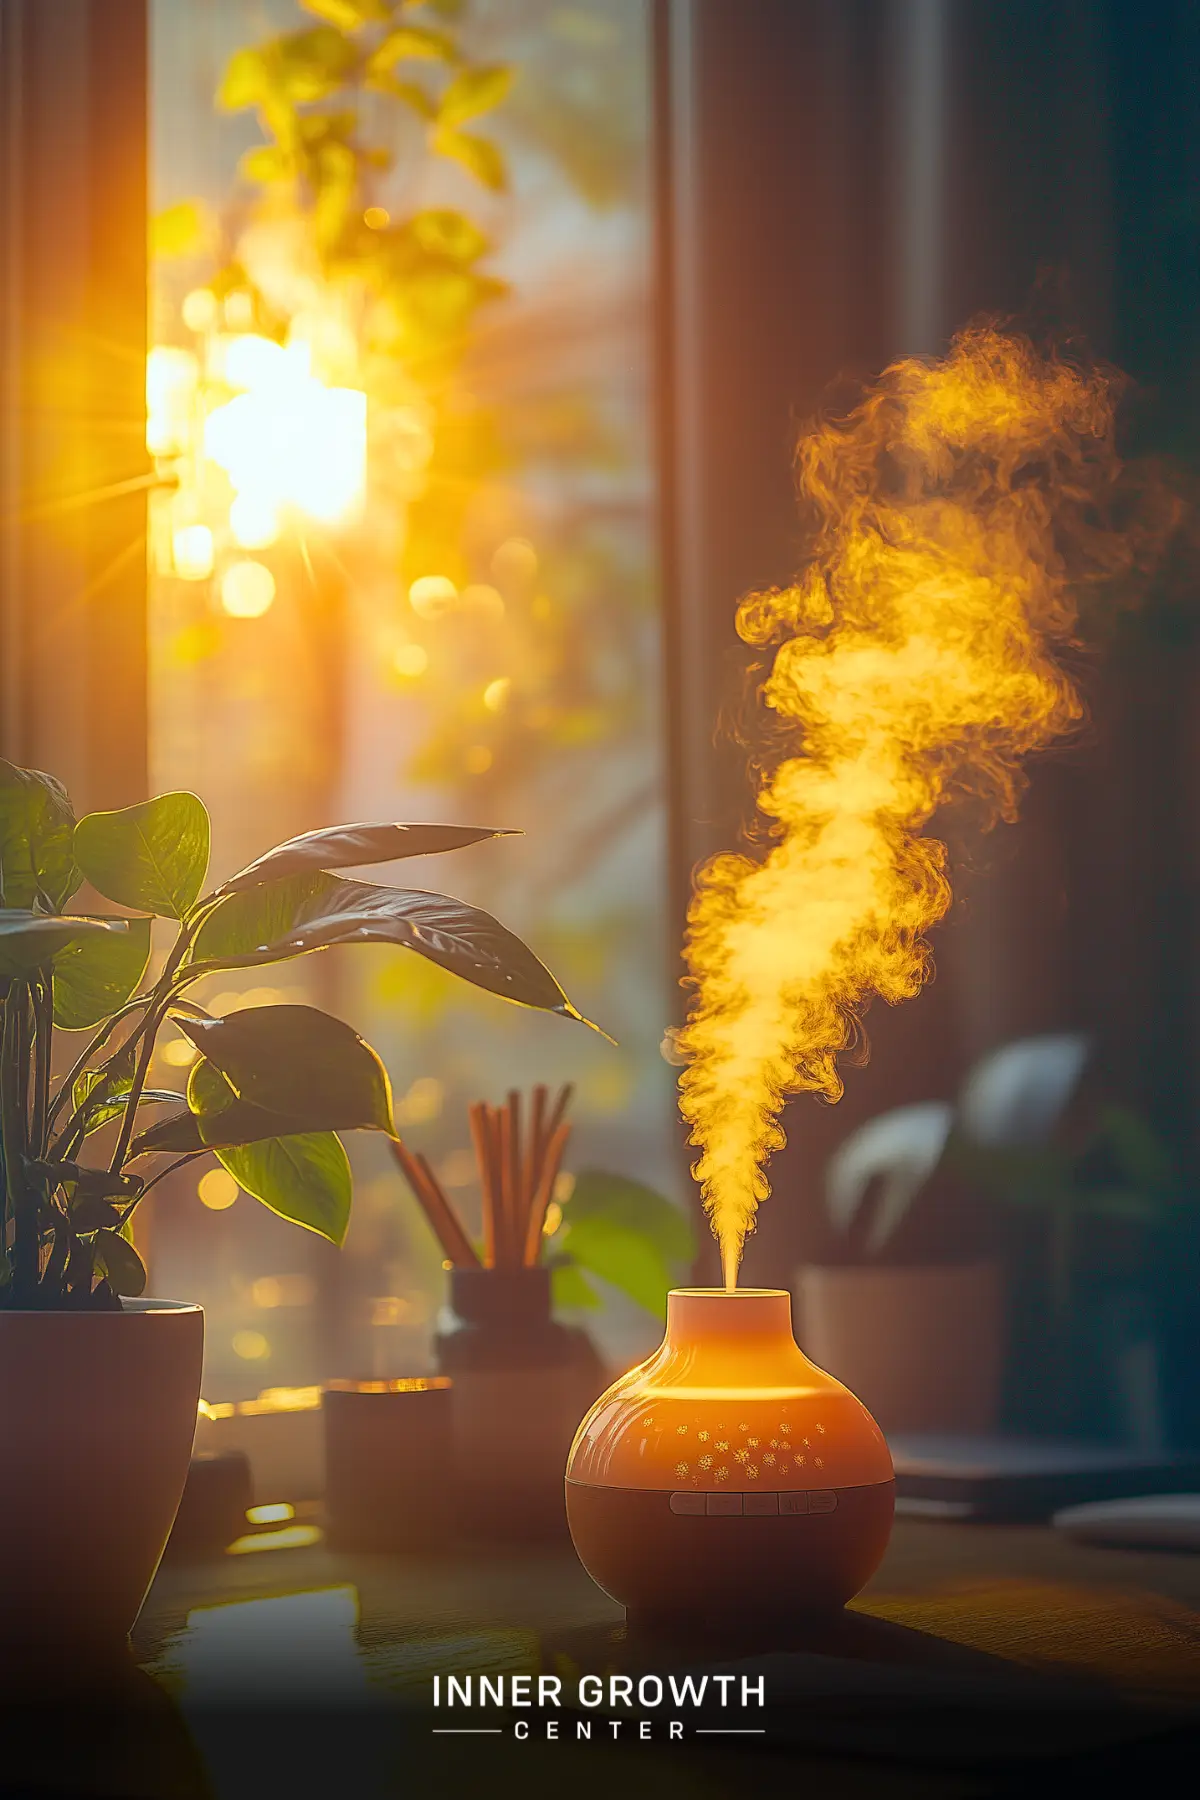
[[913, 1319], [1095, 1214], [98, 1385]]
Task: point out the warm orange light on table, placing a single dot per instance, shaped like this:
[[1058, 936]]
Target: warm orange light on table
[[728, 1473]]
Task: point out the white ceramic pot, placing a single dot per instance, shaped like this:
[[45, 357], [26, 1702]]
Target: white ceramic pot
[[97, 1418], [922, 1348]]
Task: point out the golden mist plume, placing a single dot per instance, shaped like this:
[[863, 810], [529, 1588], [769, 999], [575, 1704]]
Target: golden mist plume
[[961, 512]]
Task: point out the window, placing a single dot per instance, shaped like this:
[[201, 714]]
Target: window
[[404, 569]]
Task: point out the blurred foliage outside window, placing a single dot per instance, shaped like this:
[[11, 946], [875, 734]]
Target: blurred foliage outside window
[[402, 569]]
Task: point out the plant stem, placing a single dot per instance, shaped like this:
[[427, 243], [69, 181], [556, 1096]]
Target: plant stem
[[43, 1020], [67, 1085], [22, 1204], [148, 1030], [56, 1262], [151, 1003]]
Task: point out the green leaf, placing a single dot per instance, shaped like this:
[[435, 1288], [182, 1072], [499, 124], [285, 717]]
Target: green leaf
[[298, 1061], [152, 856], [213, 1119], [29, 940], [479, 157], [86, 1085], [347, 846], [347, 15], [116, 1257], [305, 1179], [618, 1199], [570, 1290], [90, 1211], [311, 912], [36, 823], [473, 92], [109, 1096], [628, 1235], [408, 42], [94, 1184], [96, 975]]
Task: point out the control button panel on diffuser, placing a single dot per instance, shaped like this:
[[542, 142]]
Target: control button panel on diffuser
[[760, 1505], [757, 1505], [687, 1503]]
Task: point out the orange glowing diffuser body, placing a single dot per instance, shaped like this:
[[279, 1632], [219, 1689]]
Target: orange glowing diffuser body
[[728, 1473]]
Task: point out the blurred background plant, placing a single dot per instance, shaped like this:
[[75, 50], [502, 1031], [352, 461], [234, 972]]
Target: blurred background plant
[[621, 1233], [402, 560], [1081, 1197]]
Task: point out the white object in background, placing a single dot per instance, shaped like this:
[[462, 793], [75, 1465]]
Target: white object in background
[[1149, 1522], [1015, 1097], [900, 1150]]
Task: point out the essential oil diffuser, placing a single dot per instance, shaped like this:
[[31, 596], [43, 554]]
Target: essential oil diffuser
[[728, 1474]]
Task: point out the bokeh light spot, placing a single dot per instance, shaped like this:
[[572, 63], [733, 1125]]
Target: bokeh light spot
[[217, 1190], [247, 590]]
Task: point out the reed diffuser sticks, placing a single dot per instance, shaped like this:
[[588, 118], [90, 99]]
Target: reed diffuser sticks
[[519, 1150]]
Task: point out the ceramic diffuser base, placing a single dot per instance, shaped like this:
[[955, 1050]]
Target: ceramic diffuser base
[[728, 1474]]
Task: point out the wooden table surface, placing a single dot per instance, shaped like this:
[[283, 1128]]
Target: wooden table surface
[[981, 1660]]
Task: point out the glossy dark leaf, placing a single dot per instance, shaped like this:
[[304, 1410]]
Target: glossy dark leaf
[[287, 918], [212, 1119], [297, 1061], [305, 1178], [347, 846], [116, 1257], [36, 825], [28, 940], [177, 1134], [96, 1183], [152, 857], [96, 975], [91, 1211]]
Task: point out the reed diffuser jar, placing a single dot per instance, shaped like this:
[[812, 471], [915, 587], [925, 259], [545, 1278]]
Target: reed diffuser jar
[[520, 1377], [728, 1474]]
